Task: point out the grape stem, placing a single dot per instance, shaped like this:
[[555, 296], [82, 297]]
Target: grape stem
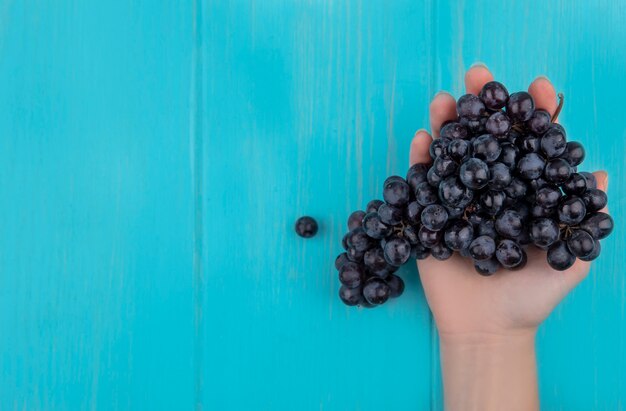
[[559, 107]]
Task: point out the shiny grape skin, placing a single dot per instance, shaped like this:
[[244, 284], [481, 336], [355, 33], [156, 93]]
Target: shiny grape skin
[[433, 178], [509, 253], [520, 106], [429, 238], [459, 149], [571, 210], [396, 191], [594, 199], [376, 291], [492, 201], [351, 274], [487, 267], [453, 130], [434, 217], [396, 285], [574, 153], [531, 166], [557, 171], [410, 233], [486, 148], [509, 224], [580, 243], [559, 256], [453, 193], [414, 212], [529, 143], [306, 227], [359, 240], [516, 188], [341, 260], [351, 296], [438, 147], [598, 224], [548, 196], [595, 253], [482, 248], [419, 252], [539, 122], [553, 142], [488, 228], [508, 154], [470, 106], [544, 232], [459, 235], [397, 251], [474, 174], [425, 194], [441, 252], [444, 165], [576, 184], [590, 179], [494, 95], [374, 260], [390, 215], [416, 175], [355, 219], [498, 124], [500, 176], [374, 227]]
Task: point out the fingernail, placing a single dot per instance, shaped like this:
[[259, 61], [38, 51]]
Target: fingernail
[[543, 77], [421, 130], [442, 92], [478, 64]]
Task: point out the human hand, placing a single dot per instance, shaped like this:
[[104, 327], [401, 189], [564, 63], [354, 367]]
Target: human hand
[[465, 303]]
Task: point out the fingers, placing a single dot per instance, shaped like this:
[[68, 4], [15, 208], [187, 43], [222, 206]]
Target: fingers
[[419, 148], [442, 108], [476, 77], [602, 180], [544, 95]]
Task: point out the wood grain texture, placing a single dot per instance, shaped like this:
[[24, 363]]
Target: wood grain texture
[[153, 160]]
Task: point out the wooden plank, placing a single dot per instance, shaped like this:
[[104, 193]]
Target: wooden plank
[[579, 46], [310, 107], [96, 218]]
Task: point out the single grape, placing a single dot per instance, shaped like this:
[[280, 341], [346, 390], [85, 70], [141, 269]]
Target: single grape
[[508, 154], [341, 260], [522, 209], [372, 206], [574, 153], [438, 147], [414, 212], [397, 251], [355, 219], [538, 211], [595, 253], [458, 150], [488, 228], [459, 235], [500, 176], [376, 291], [544, 232], [557, 171], [538, 183], [559, 256], [425, 194], [470, 106], [396, 286], [434, 217], [580, 243], [359, 240], [419, 252], [396, 191], [531, 166], [410, 234], [344, 241], [374, 226], [498, 124], [494, 95], [374, 259], [453, 193], [474, 126], [306, 227], [520, 106], [571, 210], [474, 174], [576, 184], [553, 142], [482, 248], [441, 252], [529, 143], [598, 224], [454, 212], [355, 255], [539, 121], [548, 196], [594, 199], [444, 165], [486, 148], [351, 296], [429, 238], [351, 274], [390, 215], [509, 224], [487, 267], [509, 253], [453, 130]]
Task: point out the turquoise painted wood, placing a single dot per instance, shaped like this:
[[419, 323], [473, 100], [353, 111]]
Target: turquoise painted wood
[[153, 159]]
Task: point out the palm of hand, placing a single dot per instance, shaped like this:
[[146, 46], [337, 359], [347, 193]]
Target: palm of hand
[[464, 302]]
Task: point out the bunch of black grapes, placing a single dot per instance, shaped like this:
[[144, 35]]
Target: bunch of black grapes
[[503, 177]]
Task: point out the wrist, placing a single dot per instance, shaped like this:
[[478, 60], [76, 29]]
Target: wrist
[[491, 339]]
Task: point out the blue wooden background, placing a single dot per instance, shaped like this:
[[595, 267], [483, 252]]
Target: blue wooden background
[[154, 156]]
